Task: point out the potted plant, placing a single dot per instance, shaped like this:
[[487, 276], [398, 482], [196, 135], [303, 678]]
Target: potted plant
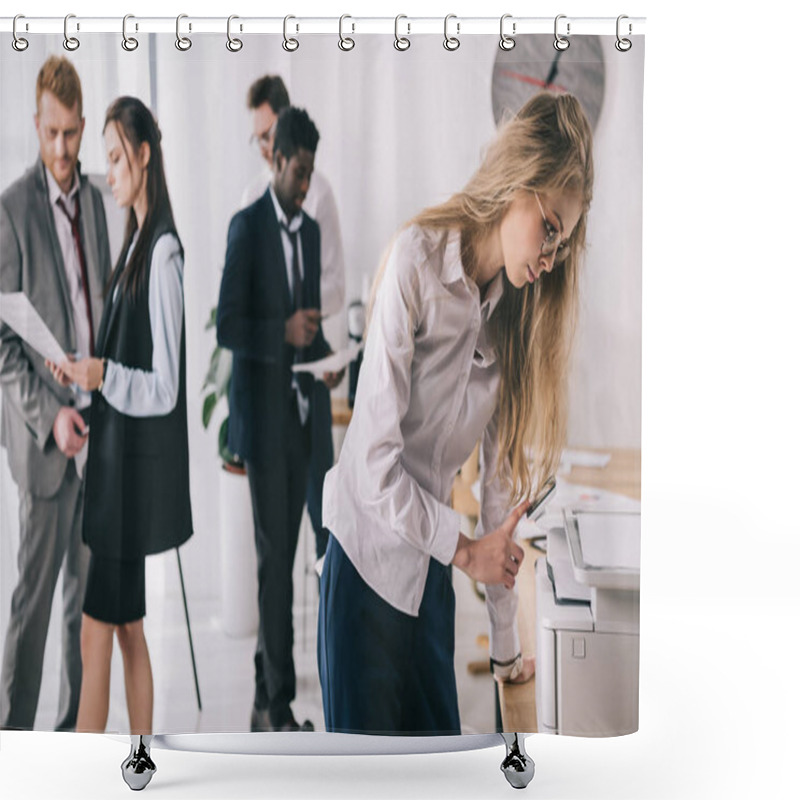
[[239, 572], [218, 381]]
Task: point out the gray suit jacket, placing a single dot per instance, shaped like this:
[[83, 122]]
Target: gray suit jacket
[[31, 262]]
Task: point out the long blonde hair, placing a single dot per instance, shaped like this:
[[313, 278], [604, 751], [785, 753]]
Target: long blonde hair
[[546, 147]]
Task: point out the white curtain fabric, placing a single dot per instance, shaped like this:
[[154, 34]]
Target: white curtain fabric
[[399, 131]]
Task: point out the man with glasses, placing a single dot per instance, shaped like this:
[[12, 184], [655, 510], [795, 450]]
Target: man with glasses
[[268, 316], [266, 99]]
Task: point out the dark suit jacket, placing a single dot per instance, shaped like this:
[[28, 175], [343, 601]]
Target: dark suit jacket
[[31, 262], [254, 304]]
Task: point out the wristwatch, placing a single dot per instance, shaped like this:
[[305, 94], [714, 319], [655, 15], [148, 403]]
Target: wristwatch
[[507, 670]]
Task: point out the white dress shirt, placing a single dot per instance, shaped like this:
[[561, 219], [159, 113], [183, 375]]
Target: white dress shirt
[[320, 205], [427, 393], [72, 268], [154, 393]]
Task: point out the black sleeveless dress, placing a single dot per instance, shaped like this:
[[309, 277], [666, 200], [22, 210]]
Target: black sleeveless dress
[[137, 472]]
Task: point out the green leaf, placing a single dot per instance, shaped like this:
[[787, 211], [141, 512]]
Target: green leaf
[[224, 452], [209, 404], [222, 443], [211, 374]]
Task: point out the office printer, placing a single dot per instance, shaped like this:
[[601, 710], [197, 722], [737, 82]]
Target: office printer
[[587, 631]]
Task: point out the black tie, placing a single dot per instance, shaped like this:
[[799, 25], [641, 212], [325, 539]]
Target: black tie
[[297, 281], [300, 381]]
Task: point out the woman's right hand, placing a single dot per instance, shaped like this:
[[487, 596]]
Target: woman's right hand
[[496, 557]]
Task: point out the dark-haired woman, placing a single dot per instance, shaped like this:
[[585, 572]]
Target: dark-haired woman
[[137, 473]]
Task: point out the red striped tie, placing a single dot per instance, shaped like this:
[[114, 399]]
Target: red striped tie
[[76, 235]]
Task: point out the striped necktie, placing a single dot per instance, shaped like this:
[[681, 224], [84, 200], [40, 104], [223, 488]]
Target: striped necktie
[[75, 223]]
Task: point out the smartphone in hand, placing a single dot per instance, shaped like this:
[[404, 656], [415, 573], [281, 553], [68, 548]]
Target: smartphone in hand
[[537, 506]]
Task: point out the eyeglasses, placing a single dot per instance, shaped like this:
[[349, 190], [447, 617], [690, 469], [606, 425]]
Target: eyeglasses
[[552, 241], [264, 139]]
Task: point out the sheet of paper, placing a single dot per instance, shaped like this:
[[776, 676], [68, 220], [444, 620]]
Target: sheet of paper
[[610, 539], [17, 312], [332, 363]]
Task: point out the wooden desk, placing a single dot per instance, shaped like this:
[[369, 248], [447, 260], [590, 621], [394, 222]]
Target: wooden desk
[[623, 476], [341, 411]]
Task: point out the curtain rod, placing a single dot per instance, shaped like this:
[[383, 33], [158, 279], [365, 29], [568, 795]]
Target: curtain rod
[[349, 25]]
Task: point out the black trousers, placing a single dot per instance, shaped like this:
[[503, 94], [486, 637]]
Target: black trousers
[[278, 484]]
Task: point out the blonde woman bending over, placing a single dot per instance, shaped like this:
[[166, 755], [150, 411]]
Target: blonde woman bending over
[[469, 341]]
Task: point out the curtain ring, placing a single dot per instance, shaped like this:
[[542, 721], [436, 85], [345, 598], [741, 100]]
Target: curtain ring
[[507, 42], [183, 43], [289, 44], [401, 43], [623, 45], [128, 42], [346, 43], [451, 43], [18, 43], [560, 43], [233, 44], [71, 43]]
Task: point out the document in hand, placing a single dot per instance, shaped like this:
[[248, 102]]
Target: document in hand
[[17, 312], [332, 363]]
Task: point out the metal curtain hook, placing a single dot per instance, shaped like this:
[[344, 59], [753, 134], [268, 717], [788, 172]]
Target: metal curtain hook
[[451, 42], [346, 43], [623, 45], [18, 43], [560, 42], [71, 43], [507, 42], [401, 42], [128, 42], [289, 44], [183, 43], [233, 44]]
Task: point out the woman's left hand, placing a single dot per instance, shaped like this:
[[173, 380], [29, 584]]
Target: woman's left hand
[[87, 373], [525, 674]]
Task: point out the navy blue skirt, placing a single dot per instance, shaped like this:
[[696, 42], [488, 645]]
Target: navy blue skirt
[[383, 671]]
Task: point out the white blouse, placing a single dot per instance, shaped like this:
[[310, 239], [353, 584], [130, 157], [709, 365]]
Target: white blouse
[[427, 393], [154, 393]]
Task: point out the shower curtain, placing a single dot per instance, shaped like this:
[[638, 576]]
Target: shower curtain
[[400, 130]]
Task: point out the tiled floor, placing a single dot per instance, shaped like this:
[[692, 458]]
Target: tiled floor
[[225, 664]]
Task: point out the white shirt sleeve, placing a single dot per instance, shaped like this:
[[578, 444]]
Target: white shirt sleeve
[[383, 483], [141, 393], [501, 603], [332, 280]]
